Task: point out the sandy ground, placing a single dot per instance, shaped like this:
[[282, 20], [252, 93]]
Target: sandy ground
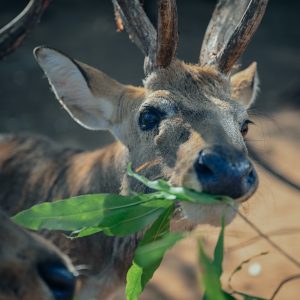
[[275, 209]]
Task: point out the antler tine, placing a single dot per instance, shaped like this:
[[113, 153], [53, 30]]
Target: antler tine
[[138, 27], [159, 48], [229, 32], [13, 34], [167, 31]]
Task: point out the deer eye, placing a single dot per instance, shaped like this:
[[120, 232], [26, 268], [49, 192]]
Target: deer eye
[[245, 127], [149, 119]]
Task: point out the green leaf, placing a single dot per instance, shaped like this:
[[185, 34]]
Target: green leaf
[[148, 256], [86, 231], [134, 282], [138, 218], [160, 185], [219, 251], [147, 259], [88, 214], [215, 270], [159, 228], [181, 193], [210, 277]]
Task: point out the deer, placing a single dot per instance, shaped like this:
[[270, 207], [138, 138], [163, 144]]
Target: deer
[[186, 124], [32, 268]]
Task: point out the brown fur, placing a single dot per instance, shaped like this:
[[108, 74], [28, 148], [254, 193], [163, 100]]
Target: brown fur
[[38, 170]]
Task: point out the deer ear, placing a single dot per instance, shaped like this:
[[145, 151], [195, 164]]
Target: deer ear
[[91, 98], [245, 85]]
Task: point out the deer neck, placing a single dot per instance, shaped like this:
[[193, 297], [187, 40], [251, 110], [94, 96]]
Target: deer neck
[[99, 171]]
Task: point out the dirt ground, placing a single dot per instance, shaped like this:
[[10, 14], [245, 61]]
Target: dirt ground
[[86, 31]]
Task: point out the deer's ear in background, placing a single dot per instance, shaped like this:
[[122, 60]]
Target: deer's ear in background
[[92, 98], [245, 85]]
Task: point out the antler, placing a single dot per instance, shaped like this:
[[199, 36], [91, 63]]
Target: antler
[[13, 34], [167, 31], [229, 32], [158, 47]]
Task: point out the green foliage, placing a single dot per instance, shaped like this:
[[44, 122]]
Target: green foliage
[[219, 251], [149, 254], [117, 215], [84, 215], [210, 279], [212, 272], [179, 193]]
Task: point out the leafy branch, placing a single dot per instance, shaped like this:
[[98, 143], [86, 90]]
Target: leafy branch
[[118, 215]]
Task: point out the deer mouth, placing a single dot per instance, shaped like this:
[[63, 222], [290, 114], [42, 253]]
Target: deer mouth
[[211, 214], [224, 170]]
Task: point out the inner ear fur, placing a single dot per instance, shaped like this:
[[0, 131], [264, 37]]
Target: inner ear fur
[[93, 99], [245, 85]]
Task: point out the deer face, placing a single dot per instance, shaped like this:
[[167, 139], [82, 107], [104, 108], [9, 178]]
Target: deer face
[[197, 130], [192, 124], [188, 121], [186, 125], [191, 128]]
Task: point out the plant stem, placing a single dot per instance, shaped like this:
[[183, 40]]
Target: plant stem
[[290, 278], [265, 237]]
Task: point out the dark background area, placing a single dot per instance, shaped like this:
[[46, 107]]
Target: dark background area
[[86, 31]]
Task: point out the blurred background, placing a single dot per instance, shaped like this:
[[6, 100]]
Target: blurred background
[[86, 31]]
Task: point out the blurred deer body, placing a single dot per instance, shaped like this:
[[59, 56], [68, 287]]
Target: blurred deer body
[[186, 125], [52, 172]]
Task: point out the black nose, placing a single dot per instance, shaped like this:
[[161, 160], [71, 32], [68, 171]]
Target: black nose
[[59, 279], [224, 170]]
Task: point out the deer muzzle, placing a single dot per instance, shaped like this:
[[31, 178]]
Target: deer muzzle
[[224, 170]]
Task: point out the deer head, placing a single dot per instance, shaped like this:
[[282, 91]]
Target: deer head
[[188, 122], [32, 268]]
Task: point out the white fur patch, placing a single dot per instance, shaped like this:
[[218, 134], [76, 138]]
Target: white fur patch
[[208, 214]]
